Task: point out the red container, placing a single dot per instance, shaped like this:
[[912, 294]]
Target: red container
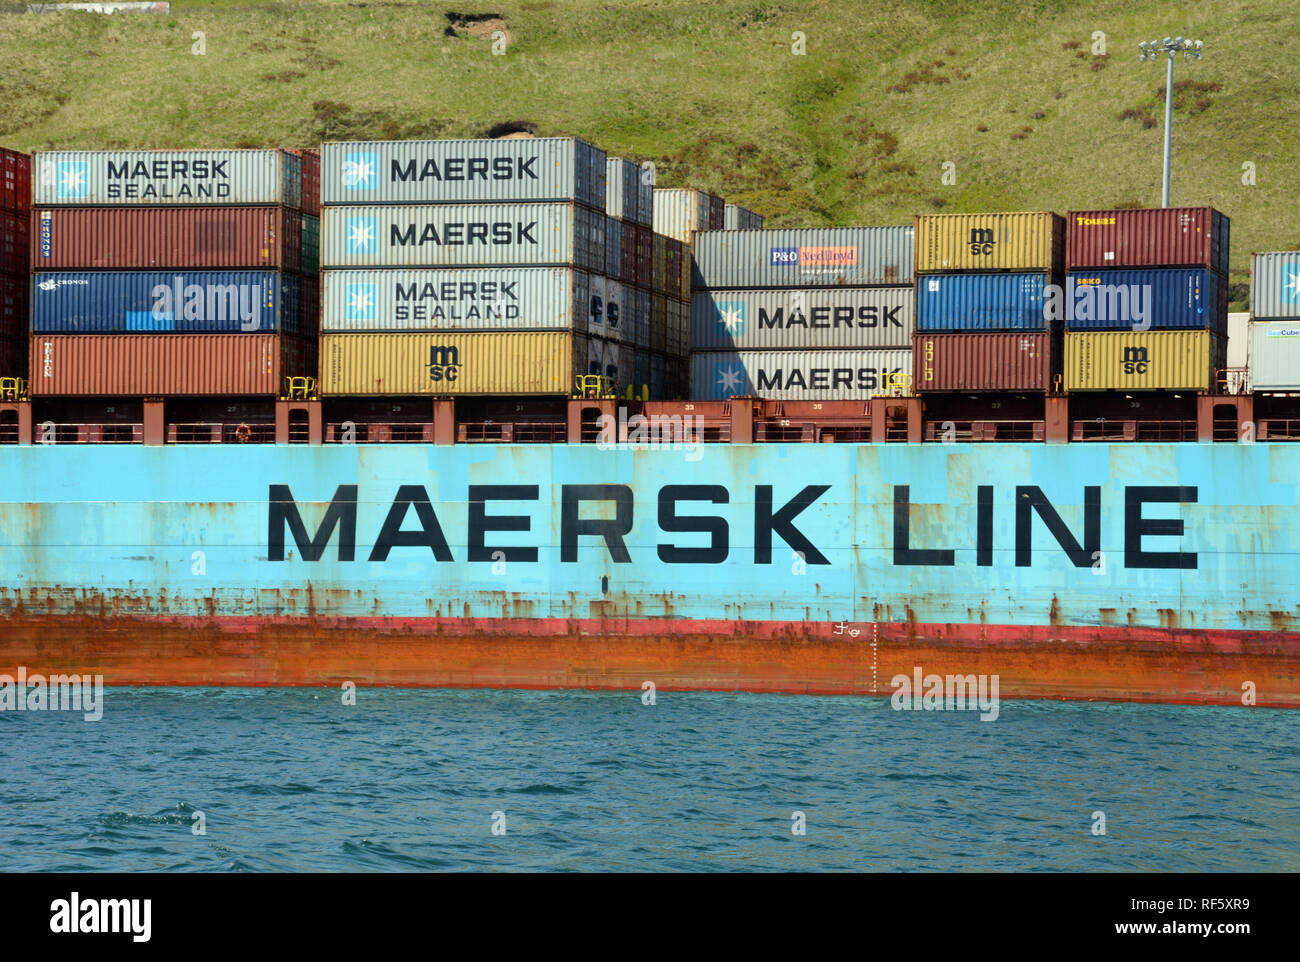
[[673, 267], [13, 242], [644, 255], [310, 180], [628, 271], [166, 365], [15, 181], [984, 362], [1171, 237], [717, 213], [13, 305], [151, 238]]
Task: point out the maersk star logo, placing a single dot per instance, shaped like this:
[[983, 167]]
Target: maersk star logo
[[361, 302], [730, 379], [1291, 288], [361, 170], [731, 317], [73, 178], [363, 235]]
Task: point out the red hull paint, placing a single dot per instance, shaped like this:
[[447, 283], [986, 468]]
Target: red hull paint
[[1065, 662]]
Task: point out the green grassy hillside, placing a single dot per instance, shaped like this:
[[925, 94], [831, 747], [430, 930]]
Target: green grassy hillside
[[854, 131]]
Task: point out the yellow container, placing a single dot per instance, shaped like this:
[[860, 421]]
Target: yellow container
[[989, 242], [1142, 361], [447, 363]]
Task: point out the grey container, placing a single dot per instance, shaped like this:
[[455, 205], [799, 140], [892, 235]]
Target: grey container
[[466, 235], [463, 171], [622, 183], [1275, 285], [607, 315], [736, 217], [681, 212], [814, 257], [469, 299], [803, 318], [645, 196], [1274, 356], [798, 375], [613, 247], [640, 325], [94, 178]]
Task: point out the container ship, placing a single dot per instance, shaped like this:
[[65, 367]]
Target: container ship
[[505, 414]]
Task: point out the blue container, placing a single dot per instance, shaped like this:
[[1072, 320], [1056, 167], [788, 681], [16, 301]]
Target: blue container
[[191, 302], [1168, 299], [981, 302]]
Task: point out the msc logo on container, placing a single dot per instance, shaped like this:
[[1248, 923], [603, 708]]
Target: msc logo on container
[[981, 241], [72, 178], [361, 170], [444, 363], [361, 302], [1135, 361], [730, 316], [363, 235], [783, 257]]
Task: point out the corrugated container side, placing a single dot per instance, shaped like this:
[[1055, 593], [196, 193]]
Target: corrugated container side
[[463, 171], [802, 319], [613, 248], [688, 270], [1142, 361], [621, 187], [310, 298], [673, 266], [627, 270], [14, 242], [1275, 285], [679, 377], [797, 375], [13, 304], [471, 235], [15, 181], [310, 160], [82, 178], [645, 196], [607, 316], [1160, 237], [658, 263], [13, 356], [463, 299], [450, 363], [1274, 356], [982, 302], [658, 377], [641, 373], [108, 365], [149, 238], [644, 256], [1021, 361], [641, 318], [107, 302], [717, 212], [816, 257], [658, 322], [1029, 241], [741, 218], [1174, 299], [310, 244], [680, 212]]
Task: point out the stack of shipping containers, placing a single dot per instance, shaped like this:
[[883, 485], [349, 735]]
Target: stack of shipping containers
[[168, 274], [679, 215], [819, 314], [620, 314], [459, 267], [1274, 339], [15, 248], [735, 217], [1146, 299], [983, 319]]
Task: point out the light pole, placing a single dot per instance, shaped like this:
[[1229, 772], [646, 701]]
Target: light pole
[[1152, 51]]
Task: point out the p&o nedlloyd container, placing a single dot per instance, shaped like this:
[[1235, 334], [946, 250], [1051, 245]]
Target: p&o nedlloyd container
[[802, 319], [93, 178], [465, 235], [463, 299], [463, 171], [815, 257]]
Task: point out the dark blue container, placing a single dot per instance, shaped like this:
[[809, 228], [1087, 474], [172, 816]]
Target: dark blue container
[[981, 302], [191, 302], [1166, 299]]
